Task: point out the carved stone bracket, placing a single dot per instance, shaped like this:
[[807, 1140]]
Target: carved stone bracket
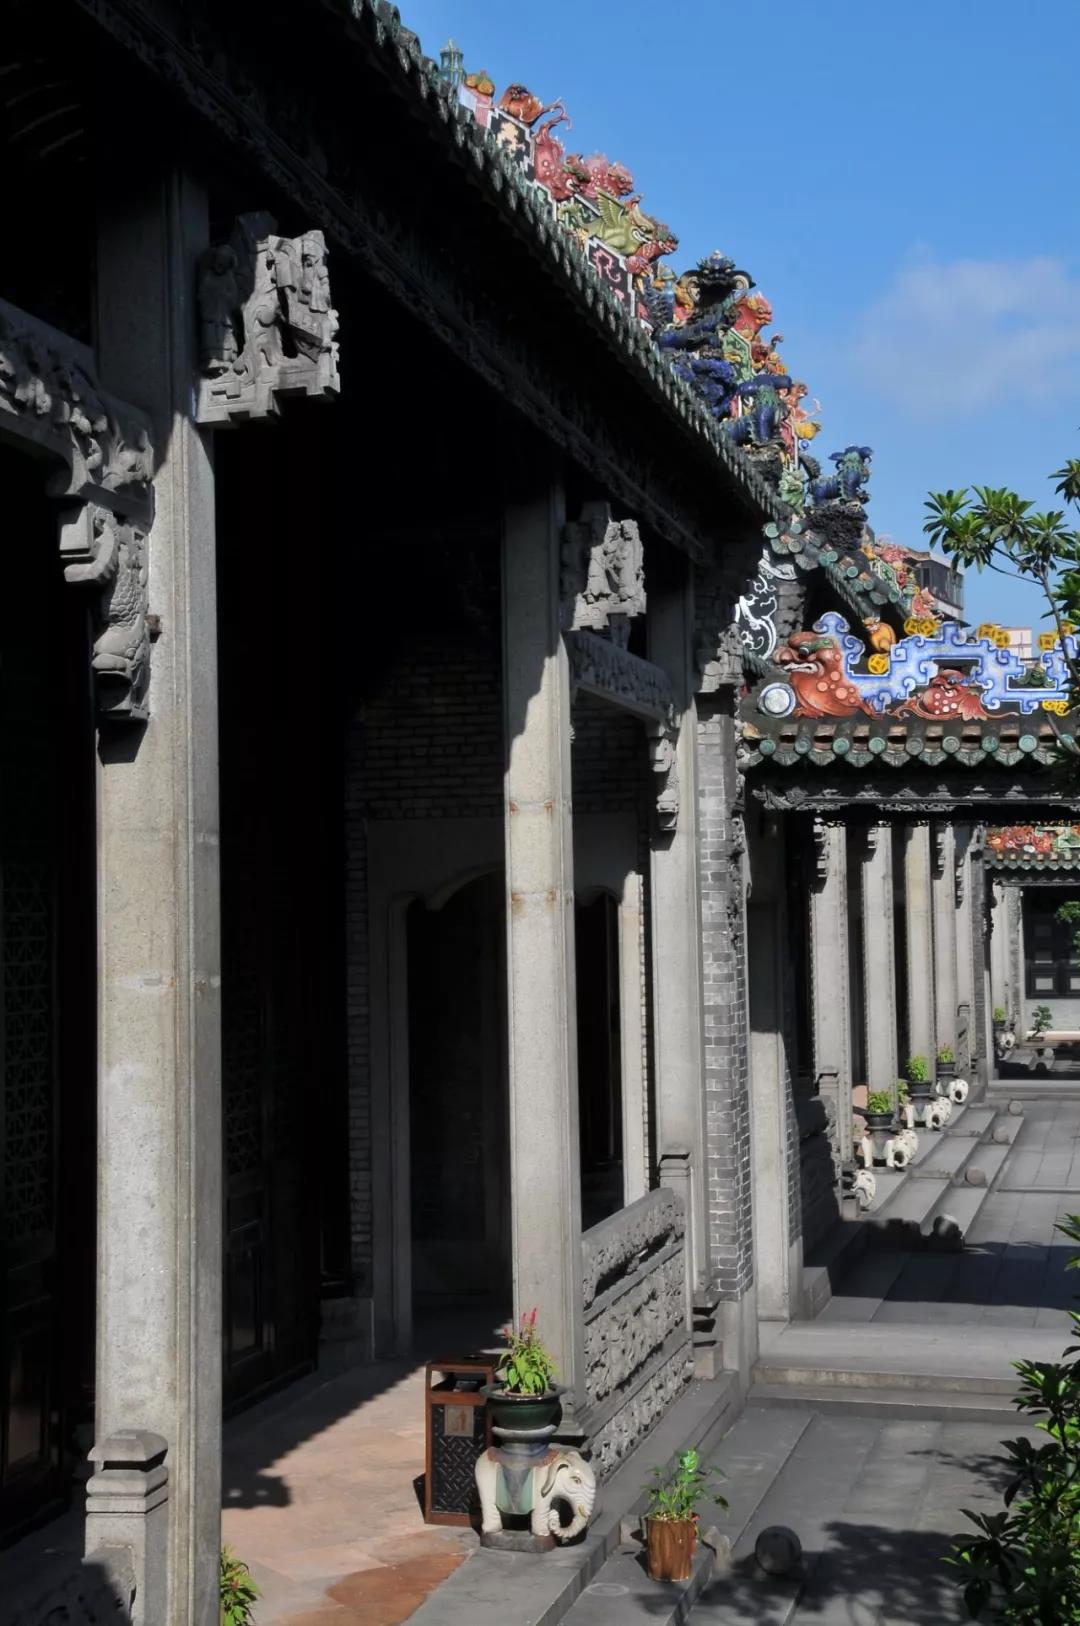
[[603, 572], [664, 760], [266, 325], [820, 832], [101, 467], [611, 673]]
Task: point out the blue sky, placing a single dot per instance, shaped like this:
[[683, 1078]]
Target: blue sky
[[901, 182]]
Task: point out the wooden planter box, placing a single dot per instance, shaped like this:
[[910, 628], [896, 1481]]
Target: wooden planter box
[[671, 1546]]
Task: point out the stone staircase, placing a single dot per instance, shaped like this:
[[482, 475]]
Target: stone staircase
[[934, 1202]]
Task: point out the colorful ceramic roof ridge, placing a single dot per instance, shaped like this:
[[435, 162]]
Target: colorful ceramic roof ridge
[[940, 698], [1033, 846]]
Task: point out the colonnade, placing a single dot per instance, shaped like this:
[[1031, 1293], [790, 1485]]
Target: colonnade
[[910, 892]]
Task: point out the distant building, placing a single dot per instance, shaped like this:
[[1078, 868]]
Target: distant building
[[942, 580], [1021, 642]]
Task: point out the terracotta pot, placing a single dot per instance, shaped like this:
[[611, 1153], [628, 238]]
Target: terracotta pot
[[671, 1544]]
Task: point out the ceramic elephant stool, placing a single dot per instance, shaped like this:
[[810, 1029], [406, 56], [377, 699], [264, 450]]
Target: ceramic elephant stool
[[535, 1488]]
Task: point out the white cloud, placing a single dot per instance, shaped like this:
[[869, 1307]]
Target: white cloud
[[954, 338]]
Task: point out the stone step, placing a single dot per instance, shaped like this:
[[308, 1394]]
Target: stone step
[[904, 1220], [892, 1401], [750, 1457], [899, 1355], [974, 1122], [818, 1480], [942, 1156]]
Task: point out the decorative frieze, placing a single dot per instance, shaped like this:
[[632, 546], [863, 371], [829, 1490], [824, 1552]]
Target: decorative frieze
[[266, 324], [50, 397], [603, 572], [102, 467]]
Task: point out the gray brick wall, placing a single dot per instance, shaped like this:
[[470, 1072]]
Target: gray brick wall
[[723, 927], [427, 744]]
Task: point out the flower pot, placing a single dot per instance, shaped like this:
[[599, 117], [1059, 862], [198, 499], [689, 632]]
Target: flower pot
[[671, 1544], [880, 1126], [521, 1412], [944, 1073]]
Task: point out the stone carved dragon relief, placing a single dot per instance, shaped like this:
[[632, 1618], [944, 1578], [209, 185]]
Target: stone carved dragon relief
[[266, 324], [103, 465]]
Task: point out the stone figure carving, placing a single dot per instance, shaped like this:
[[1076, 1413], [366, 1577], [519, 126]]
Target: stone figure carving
[[665, 765], [102, 467], [49, 395], [603, 572], [559, 1477], [117, 566], [266, 324]]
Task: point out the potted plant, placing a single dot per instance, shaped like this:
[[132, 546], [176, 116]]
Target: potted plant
[[1042, 1017], [918, 1072], [238, 1591], [671, 1518], [945, 1069], [523, 1395], [879, 1114], [999, 1019]]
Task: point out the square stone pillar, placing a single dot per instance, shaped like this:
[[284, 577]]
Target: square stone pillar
[[919, 922], [968, 1037], [946, 976], [830, 1000], [159, 1026], [545, 1167], [879, 959], [676, 932]]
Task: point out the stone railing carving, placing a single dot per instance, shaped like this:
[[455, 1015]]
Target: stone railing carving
[[638, 1335], [266, 324], [101, 467]]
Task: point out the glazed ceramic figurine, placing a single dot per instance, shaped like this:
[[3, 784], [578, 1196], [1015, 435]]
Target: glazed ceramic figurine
[[558, 1476]]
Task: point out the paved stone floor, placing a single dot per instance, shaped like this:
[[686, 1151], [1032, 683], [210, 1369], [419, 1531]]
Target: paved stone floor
[[875, 1502], [320, 1500], [1011, 1272]]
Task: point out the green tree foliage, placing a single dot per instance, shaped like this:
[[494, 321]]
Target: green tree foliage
[[992, 528], [1023, 1564]]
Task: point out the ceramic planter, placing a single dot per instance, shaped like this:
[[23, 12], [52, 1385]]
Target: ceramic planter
[[880, 1127], [670, 1545], [519, 1413], [944, 1073]]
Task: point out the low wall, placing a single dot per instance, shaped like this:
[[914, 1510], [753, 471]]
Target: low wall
[[818, 1179], [638, 1342]]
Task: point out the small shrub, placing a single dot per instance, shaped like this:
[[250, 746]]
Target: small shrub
[[879, 1101], [999, 1014], [526, 1367], [1042, 1017], [674, 1493], [1024, 1562], [945, 1056], [238, 1591], [918, 1069]]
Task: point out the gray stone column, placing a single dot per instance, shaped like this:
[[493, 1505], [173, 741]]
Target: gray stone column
[[831, 1004], [1000, 952], [943, 895], [676, 932], [968, 1047], [879, 959], [922, 1031], [159, 1027], [545, 1172]]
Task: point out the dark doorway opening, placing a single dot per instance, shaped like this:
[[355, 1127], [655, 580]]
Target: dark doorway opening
[[47, 1015], [459, 1102], [599, 1058]]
